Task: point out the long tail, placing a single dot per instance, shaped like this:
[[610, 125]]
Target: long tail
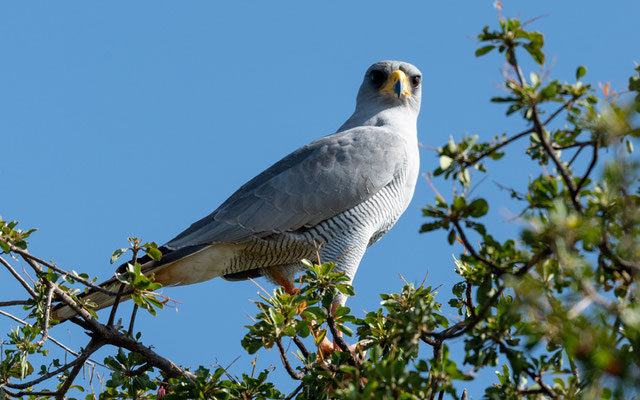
[[62, 311]]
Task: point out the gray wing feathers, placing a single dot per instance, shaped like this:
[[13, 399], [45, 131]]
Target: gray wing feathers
[[314, 183]]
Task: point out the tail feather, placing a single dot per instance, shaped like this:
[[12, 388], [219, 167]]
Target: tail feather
[[102, 300], [62, 311]]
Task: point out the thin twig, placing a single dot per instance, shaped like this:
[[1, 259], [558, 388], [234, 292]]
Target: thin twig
[[536, 377], [26, 254], [51, 339], [575, 155], [112, 336], [574, 369], [575, 144], [496, 147], [48, 375], [133, 320], [47, 313], [566, 175], [114, 308], [437, 357], [630, 266], [20, 279], [469, 299], [28, 393], [464, 326], [285, 361], [295, 391], [301, 346], [13, 303], [337, 337], [594, 160], [92, 347], [493, 267], [427, 177]]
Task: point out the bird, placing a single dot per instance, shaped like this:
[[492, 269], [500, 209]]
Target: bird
[[328, 200]]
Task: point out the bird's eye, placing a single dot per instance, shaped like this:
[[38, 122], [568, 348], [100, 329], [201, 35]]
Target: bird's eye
[[415, 80], [377, 77]]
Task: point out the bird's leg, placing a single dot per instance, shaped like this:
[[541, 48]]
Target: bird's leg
[[286, 284], [327, 346]]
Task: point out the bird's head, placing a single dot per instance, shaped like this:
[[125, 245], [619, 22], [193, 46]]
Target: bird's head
[[391, 83]]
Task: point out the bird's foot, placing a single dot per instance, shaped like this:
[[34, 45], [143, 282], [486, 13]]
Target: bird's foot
[[357, 349]]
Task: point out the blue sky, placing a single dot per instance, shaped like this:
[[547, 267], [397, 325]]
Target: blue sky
[[137, 118]]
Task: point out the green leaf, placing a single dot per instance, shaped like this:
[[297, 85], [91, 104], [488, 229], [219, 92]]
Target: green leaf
[[320, 335], [452, 236], [459, 203], [116, 254], [535, 52], [154, 253], [580, 72], [344, 329], [341, 311], [478, 208], [484, 50]]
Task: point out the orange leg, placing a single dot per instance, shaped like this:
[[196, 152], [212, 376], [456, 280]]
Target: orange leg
[[282, 281], [326, 347]]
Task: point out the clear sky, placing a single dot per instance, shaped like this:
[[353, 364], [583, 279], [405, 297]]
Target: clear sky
[[137, 118]]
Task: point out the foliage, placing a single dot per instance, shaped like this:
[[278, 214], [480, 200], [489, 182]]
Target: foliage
[[554, 310]]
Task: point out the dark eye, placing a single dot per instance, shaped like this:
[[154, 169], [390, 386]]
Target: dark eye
[[415, 80], [377, 77]]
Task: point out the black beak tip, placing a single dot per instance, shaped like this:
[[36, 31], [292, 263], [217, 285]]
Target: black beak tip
[[397, 88]]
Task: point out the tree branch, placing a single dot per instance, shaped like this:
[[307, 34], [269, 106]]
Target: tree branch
[[497, 147], [493, 267], [594, 160], [114, 337], [47, 312], [536, 377], [13, 303], [336, 337], [26, 385], [517, 136], [301, 346], [116, 303], [576, 144], [462, 327], [295, 391], [566, 175], [133, 319], [26, 255], [285, 361], [19, 278], [92, 347]]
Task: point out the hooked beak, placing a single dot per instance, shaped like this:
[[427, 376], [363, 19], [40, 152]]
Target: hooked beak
[[397, 83]]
